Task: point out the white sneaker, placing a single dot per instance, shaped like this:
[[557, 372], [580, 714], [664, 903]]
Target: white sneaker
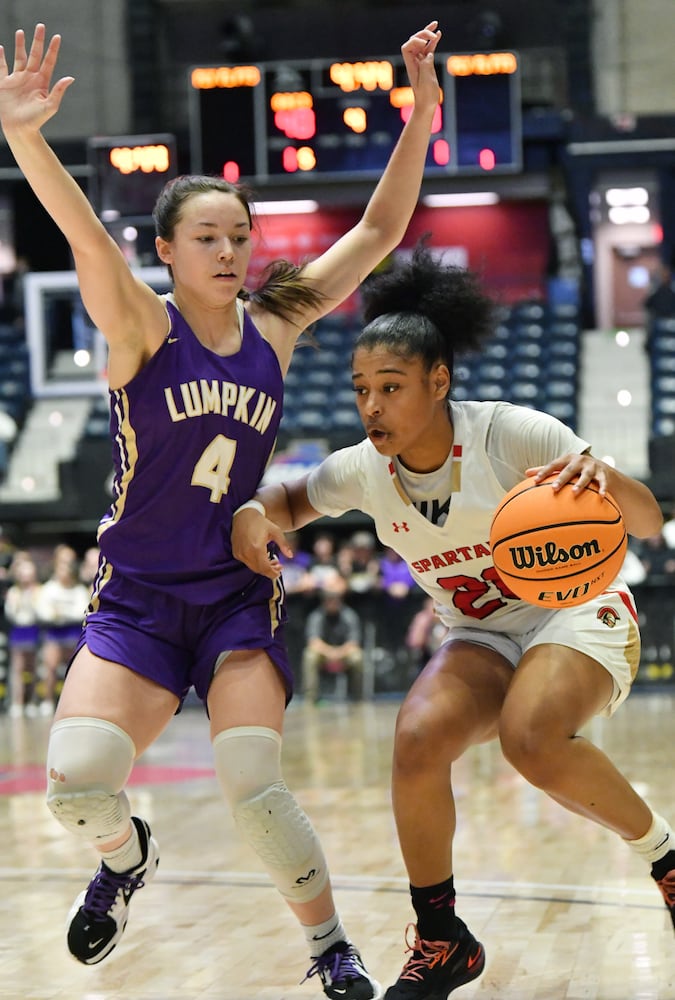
[[46, 708], [99, 914], [15, 711]]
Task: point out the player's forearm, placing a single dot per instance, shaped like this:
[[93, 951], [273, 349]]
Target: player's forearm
[[56, 189], [394, 199], [640, 509], [287, 505]]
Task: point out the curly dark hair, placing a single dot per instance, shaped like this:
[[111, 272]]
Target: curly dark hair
[[425, 308]]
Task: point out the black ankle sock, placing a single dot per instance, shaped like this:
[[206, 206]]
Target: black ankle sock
[[664, 865], [435, 909]]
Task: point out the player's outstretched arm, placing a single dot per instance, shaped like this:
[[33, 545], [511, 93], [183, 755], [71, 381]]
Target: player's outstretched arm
[[118, 304], [340, 270]]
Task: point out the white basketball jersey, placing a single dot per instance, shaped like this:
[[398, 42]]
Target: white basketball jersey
[[452, 562]]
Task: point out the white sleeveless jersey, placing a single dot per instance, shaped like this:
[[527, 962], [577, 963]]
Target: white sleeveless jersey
[[494, 443]]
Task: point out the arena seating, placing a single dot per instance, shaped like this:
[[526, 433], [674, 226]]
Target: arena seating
[[532, 359], [662, 355]]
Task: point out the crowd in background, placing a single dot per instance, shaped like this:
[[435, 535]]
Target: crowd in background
[[350, 602], [45, 598]]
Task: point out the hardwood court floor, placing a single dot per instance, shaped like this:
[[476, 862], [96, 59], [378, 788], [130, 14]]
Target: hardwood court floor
[[566, 912]]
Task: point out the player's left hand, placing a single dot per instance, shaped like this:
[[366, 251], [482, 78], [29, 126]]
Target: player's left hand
[[251, 536], [583, 469]]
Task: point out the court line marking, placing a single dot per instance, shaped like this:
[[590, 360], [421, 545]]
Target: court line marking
[[545, 892]]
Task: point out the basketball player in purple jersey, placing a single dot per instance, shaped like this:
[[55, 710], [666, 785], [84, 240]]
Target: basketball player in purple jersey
[[430, 472], [196, 384]]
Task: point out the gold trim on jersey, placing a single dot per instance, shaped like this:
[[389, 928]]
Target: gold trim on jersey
[[103, 576], [276, 603], [633, 649], [127, 450], [456, 470], [397, 484]]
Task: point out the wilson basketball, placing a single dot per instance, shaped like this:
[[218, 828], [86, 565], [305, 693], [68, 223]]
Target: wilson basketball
[[557, 549]]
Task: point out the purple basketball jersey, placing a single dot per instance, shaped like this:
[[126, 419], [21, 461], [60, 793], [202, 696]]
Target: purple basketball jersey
[[192, 434]]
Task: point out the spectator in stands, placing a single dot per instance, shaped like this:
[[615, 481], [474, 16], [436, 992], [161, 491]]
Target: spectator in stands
[[7, 552], [21, 612], [89, 566], [657, 558], [395, 577], [323, 561], [396, 603], [333, 641], [364, 569], [61, 608], [297, 578], [425, 634]]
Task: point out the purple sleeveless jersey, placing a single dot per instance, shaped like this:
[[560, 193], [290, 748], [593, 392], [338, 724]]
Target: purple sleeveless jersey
[[192, 434]]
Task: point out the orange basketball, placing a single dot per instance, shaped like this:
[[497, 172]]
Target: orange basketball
[[557, 549]]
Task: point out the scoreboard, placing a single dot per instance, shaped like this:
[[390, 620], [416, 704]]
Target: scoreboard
[[128, 172], [323, 119]]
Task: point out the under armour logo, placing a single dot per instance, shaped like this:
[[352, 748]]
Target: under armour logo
[[403, 526]]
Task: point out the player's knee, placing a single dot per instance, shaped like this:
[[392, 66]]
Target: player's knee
[[88, 764], [532, 750], [422, 739], [247, 761]]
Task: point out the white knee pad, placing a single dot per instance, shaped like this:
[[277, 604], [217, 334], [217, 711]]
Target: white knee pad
[[247, 761], [88, 764]]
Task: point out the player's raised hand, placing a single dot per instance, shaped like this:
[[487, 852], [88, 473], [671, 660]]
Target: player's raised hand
[[418, 55], [27, 97]]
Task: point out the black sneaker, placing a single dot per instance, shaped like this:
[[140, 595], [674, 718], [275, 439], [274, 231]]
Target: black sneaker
[[343, 974], [436, 968], [99, 915], [667, 887]]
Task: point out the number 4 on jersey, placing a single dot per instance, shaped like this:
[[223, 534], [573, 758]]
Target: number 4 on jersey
[[212, 470]]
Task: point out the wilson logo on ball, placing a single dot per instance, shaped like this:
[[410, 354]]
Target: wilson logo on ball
[[557, 548], [527, 556]]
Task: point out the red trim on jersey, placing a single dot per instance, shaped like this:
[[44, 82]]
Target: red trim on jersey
[[626, 601]]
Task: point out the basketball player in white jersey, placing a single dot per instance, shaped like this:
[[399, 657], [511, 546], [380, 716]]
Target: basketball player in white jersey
[[430, 473]]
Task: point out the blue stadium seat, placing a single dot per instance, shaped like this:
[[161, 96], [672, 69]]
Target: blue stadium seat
[[314, 421], [528, 311], [316, 378]]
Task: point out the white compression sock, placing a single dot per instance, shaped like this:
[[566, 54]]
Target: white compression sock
[[127, 856], [321, 937], [657, 842]]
